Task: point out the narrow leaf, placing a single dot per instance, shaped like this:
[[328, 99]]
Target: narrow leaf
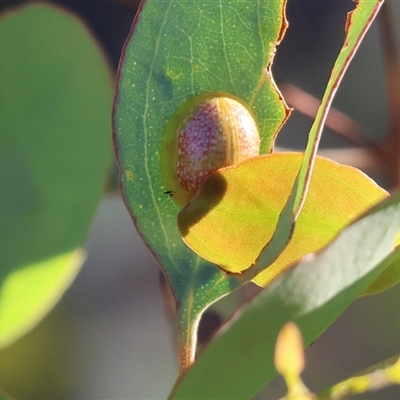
[[357, 24]]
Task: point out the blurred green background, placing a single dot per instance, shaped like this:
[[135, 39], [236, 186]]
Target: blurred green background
[[109, 337]]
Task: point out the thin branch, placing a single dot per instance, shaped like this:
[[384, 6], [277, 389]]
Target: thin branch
[[340, 123], [392, 67]]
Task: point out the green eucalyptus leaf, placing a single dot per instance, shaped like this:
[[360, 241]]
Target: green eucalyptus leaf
[[55, 96], [179, 49]]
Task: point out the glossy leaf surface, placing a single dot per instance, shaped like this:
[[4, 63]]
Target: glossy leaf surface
[[55, 95], [235, 213]]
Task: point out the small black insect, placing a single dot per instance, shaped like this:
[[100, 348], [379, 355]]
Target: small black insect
[[170, 192]]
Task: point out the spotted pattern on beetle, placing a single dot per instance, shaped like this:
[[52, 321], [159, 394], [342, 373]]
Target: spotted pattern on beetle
[[218, 133], [206, 133]]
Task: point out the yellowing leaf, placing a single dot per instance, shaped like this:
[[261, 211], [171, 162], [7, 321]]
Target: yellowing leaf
[[389, 277], [234, 214]]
